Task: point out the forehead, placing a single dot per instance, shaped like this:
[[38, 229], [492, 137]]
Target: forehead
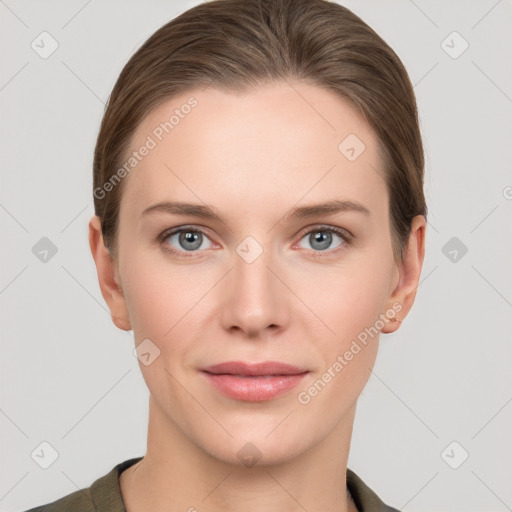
[[285, 139]]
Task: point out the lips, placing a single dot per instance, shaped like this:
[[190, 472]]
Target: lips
[[254, 382], [263, 369]]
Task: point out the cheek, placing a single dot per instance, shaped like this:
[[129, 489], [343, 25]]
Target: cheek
[[166, 302], [348, 299], [154, 297], [158, 303], [349, 303]]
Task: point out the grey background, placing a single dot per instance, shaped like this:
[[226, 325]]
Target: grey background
[[68, 375]]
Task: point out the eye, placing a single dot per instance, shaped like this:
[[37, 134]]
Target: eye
[[185, 240], [321, 239]]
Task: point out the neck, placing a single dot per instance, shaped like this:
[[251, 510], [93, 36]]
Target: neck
[[177, 474]]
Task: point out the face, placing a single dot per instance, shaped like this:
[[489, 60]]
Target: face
[[254, 274]]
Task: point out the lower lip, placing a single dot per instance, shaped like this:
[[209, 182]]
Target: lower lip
[[254, 389]]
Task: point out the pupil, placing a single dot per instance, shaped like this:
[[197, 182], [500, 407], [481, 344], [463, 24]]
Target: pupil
[[323, 238], [191, 238]]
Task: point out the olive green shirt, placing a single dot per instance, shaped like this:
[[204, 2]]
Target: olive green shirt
[[104, 495]]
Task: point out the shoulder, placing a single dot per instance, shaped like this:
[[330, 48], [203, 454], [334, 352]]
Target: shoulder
[[365, 498], [104, 495], [78, 501]]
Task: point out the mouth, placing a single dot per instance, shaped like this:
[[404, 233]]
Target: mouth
[[254, 382]]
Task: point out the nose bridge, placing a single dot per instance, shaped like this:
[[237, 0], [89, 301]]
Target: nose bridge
[[255, 299]]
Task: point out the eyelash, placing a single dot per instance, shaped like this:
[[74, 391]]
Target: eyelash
[[343, 234]]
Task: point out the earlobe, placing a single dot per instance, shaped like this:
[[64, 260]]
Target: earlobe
[[409, 273], [108, 279]]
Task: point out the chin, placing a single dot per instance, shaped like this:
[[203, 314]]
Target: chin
[[254, 447]]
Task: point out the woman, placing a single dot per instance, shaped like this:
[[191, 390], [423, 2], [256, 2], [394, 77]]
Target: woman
[[260, 221]]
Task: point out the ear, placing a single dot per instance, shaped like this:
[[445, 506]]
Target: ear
[[108, 276], [409, 269]]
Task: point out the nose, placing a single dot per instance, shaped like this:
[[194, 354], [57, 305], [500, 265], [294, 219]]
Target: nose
[[254, 299]]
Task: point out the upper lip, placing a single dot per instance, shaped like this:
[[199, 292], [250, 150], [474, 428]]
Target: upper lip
[[254, 369]]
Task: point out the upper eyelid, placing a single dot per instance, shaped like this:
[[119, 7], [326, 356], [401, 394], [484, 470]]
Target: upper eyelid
[[172, 231], [326, 227]]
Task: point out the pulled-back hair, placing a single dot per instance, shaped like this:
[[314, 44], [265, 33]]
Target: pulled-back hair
[[239, 44]]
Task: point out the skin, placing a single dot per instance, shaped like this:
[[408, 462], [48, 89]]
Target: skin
[[253, 157]]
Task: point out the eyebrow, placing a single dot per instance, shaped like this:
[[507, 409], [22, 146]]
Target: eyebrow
[[207, 212]]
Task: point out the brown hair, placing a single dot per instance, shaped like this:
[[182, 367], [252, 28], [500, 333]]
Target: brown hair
[[239, 44]]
